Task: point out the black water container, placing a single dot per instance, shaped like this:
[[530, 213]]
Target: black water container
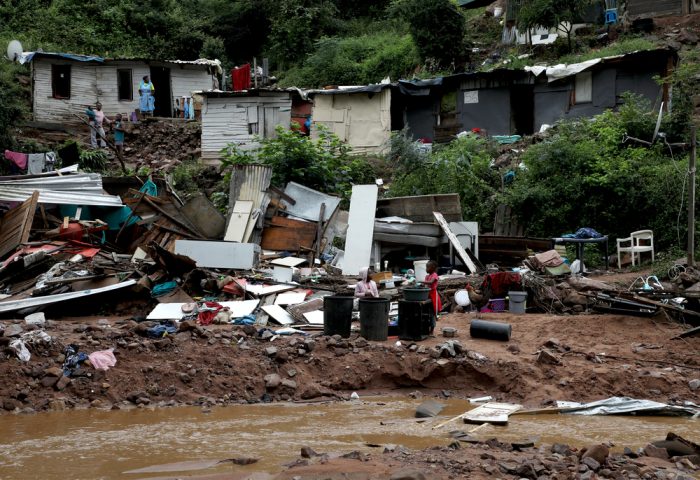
[[415, 319], [337, 315], [374, 318], [490, 330]]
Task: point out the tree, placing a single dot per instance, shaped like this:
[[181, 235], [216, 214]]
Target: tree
[[559, 14], [438, 28]]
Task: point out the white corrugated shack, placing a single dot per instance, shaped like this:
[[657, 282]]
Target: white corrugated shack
[[240, 117], [360, 116], [64, 83]]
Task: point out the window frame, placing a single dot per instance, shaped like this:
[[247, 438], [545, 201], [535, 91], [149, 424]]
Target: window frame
[[57, 69], [579, 80], [131, 84]]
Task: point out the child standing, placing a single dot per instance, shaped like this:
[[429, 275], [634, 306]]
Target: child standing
[[119, 134], [431, 281]]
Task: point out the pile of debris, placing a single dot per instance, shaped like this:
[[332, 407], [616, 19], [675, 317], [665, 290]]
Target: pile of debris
[[162, 144]]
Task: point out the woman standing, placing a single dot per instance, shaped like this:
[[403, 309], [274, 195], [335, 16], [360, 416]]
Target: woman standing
[[147, 102]]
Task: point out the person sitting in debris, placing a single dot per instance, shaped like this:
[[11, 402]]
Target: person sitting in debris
[[97, 129], [431, 281], [147, 103], [119, 134], [365, 287]]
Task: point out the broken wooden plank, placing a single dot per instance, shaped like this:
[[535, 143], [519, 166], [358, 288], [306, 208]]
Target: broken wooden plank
[[492, 412], [455, 242], [16, 224], [688, 333], [288, 234]]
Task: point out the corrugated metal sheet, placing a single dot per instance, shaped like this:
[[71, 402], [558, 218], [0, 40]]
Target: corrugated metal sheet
[[79, 189], [308, 202], [250, 182]]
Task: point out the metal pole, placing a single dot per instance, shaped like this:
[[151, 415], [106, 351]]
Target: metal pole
[[691, 196]]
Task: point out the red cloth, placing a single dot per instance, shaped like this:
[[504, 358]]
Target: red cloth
[[207, 316], [500, 283], [240, 78], [19, 159], [432, 280]]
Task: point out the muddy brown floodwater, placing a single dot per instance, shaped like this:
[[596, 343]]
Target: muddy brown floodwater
[[94, 444]]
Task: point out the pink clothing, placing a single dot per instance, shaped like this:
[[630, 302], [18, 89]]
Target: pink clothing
[[366, 285], [99, 117], [19, 159], [362, 288], [103, 359]]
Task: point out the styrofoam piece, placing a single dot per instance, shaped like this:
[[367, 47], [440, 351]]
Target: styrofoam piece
[[211, 254], [358, 244], [492, 412], [262, 290], [291, 298], [278, 314], [173, 311], [315, 317], [288, 261]]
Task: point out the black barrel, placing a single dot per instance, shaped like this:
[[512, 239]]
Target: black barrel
[[490, 330], [374, 318], [337, 315]]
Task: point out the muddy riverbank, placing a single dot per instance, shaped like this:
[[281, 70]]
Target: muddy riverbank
[[594, 357], [268, 438]]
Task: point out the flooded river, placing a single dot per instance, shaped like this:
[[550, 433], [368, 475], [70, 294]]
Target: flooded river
[[93, 444]]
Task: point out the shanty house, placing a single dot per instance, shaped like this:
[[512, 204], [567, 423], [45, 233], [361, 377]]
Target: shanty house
[[63, 84], [655, 8], [360, 116], [240, 118], [506, 102]]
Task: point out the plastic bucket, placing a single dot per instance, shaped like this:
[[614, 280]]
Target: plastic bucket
[[490, 330], [420, 266], [416, 294], [337, 315], [517, 302], [374, 318]]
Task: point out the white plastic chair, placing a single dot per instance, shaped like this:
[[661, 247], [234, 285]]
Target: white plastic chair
[[637, 243]]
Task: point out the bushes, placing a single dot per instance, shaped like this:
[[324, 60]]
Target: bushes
[[583, 175], [324, 164], [459, 167], [355, 60]]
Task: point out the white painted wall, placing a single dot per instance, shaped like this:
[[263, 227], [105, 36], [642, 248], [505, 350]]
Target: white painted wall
[[239, 120], [91, 83]]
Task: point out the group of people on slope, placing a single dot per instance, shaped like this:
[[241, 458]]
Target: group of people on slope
[[97, 118]]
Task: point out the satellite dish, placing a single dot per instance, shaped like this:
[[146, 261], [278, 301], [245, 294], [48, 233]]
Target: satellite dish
[[14, 50], [658, 122]]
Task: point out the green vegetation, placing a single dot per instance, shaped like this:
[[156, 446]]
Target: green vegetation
[[461, 166], [582, 175], [552, 14], [324, 164]]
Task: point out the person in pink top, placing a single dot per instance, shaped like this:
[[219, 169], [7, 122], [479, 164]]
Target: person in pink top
[[97, 129], [366, 287], [431, 281]]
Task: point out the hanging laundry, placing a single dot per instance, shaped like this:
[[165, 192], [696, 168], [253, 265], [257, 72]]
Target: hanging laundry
[[191, 109], [35, 163], [240, 78], [19, 159], [50, 162]]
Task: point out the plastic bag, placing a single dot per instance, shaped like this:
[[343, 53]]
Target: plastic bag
[[21, 350]]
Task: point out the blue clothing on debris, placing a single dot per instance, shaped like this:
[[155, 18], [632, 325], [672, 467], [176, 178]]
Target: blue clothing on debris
[[159, 331], [583, 233]]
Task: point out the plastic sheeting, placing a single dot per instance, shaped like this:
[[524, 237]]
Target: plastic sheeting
[[626, 406]]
